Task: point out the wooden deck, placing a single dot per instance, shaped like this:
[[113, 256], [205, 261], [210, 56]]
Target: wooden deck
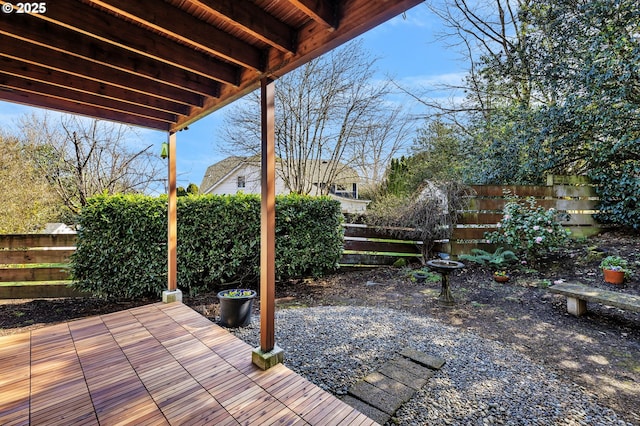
[[154, 365]]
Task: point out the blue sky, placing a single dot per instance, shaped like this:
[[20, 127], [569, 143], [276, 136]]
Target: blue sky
[[408, 50]]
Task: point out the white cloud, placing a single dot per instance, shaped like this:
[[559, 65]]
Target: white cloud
[[434, 81]]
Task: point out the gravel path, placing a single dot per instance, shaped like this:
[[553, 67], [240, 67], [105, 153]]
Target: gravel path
[[481, 383]]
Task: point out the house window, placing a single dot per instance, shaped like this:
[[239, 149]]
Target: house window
[[241, 182]]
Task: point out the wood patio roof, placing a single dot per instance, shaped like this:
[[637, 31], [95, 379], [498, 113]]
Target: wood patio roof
[[165, 64]]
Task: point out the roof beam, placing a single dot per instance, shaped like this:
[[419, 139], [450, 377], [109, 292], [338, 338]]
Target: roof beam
[[248, 17], [28, 98], [57, 78], [42, 56], [104, 26], [45, 33], [174, 22], [40, 88], [358, 16], [321, 11]]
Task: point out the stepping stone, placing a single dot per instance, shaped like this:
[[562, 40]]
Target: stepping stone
[[368, 410], [426, 360], [390, 385], [380, 394], [400, 373], [377, 397], [413, 367]]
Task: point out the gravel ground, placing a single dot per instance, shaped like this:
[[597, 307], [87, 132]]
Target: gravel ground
[[482, 382]]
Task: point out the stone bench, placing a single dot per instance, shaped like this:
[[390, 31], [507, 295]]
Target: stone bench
[[579, 294]]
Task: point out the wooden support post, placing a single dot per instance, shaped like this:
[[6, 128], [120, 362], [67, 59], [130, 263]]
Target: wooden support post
[[268, 218], [172, 227]]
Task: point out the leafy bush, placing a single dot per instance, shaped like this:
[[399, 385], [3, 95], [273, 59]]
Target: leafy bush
[[618, 186], [309, 235], [218, 241], [121, 246], [121, 243], [529, 229]]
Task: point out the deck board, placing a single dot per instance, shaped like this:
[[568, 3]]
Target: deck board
[[159, 364]]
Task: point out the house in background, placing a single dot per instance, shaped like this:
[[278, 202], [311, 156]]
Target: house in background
[[242, 174]]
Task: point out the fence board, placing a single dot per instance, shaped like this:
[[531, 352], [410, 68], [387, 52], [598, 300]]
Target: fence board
[[471, 233], [380, 246], [364, 231], [571, 194], [475, 218], [519, 190], [369, 260], [574, 191], [568, 180], [34, 256], [489, 204], [17, 241], [33, 274]]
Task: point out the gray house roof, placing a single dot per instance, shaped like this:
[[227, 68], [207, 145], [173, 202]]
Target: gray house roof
[[217, 171], [316, 169]]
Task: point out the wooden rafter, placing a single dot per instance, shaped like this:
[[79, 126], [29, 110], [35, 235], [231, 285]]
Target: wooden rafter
[[322, 11], [242, 14], [165, 64]]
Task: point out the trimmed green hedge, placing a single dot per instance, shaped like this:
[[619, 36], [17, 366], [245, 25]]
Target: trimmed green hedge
[[121, 244]]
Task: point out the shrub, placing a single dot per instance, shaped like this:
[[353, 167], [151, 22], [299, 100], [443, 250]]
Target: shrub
[[428, 215], [121, 243], [529, 229], [121, 246]]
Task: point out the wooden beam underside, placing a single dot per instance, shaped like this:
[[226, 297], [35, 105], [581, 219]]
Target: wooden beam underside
[[164, 65]]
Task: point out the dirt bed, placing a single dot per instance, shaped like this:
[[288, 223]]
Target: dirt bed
[[599, 351]]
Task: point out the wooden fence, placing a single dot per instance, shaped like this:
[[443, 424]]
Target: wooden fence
[[42, 258], [36, 265], [573, 195], [368, 246]]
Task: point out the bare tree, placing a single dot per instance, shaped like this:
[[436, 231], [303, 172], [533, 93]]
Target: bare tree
[[82, 157], [26, 200], [494, 37], [328, 113], [382, 140]]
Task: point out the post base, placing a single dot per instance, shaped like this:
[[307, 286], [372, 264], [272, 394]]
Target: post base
[[575, 306], [171, 296], [266, 360]]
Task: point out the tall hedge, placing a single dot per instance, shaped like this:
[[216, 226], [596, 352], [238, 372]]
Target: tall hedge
[[122, 251]]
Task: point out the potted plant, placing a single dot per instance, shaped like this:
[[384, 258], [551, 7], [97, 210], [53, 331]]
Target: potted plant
[[501, 276], [615, 269], [236, 306]]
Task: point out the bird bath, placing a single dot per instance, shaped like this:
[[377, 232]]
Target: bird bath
[[444, 268]]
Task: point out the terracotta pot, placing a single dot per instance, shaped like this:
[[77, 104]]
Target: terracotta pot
[[501, 278], [613, 277]]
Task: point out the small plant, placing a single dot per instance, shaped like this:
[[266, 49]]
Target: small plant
[[238, 293], [421, 276], [616, 263], [501, 276], [498, 258]]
